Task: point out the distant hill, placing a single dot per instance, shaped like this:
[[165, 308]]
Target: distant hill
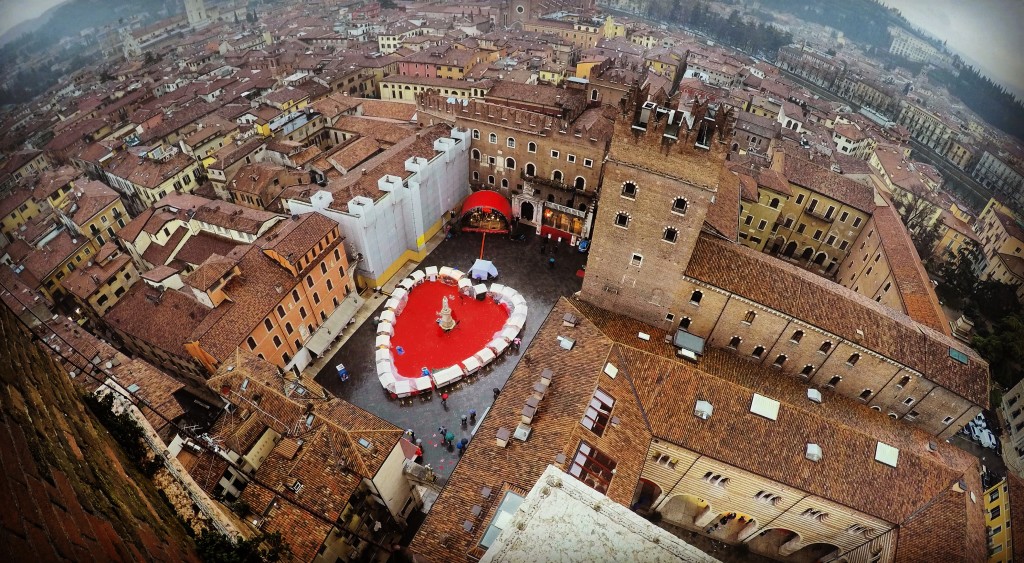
[[28, 26]]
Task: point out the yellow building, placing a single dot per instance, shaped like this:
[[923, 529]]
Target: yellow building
[[763, 195], [98, 287], [613, 29], [997, 518], [18, 208], [960, 153]]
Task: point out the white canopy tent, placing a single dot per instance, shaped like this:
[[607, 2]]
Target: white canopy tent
[[483, 270], [448, 375]]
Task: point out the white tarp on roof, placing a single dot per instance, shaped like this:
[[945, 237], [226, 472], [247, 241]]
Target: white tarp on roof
[[382, 355], [417, 277], [385, 328], [485, 356], [482, 270], [510, 332], [383, 341], [387, 317]]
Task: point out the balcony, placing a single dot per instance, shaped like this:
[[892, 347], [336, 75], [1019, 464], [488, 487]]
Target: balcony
[[821, 215], [550, 183]]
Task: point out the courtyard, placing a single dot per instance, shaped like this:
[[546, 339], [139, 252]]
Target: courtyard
[[521, 265]]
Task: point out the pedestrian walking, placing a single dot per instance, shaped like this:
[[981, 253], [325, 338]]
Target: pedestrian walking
[[412, 435], [496, 392], [464, 420], [472, 415], [444, 400], [449, 437], [516, 343]]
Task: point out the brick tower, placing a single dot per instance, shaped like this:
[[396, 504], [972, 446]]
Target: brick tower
[[660, 179]]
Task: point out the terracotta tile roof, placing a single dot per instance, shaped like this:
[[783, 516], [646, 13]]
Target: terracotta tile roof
[[774, 181], [52, 180], [841, 311], [155, 388], [397, 111], [293, 238], [234, 217], [351, 155], [386, 132], [647, 389], [94, 198], [41, 262], [210, 272], [330, 462], [160, 254], [724, 213], [915, 288], [556, 430], [202, 245], [336, 104], [1016, 490], [1011, 225], [162, 319], [390, 162], [83, 282], [1012, 263], [159, 273], [822, 180], [748, 187], [134, 228]]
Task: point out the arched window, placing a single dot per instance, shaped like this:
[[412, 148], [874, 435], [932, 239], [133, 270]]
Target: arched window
[[781, 359], [758, 351], [749, 317], [734, 342], [476, 175], [490, 180], [580, 183], [531, 147], [679, 205], [670, 235], [797, 336], [853, 359], [476, 154], [629, 190], [511, 142], [696, 296], [492, 138], [268, 324], [504, 182], [825, 347], [531, 170], [476, 132], [510, 163], [834, 381], [807, 370], [774, 203], [593, 95], [557, 176], [251, 342], [622, 220]]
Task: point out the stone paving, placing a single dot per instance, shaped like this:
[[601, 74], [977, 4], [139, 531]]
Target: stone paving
[[522, 266]]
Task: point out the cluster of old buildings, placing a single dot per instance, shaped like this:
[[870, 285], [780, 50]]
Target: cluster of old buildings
[[757, 353]]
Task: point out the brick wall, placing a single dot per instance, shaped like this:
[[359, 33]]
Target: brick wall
[[67, 492]]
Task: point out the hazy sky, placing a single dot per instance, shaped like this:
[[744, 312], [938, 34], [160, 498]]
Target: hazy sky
[[986, 33], [13, 12]]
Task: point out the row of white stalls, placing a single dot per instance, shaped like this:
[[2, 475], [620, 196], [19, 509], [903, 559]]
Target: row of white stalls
[[414, 384]]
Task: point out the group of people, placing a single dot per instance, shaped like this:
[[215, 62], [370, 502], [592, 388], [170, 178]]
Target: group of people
[[725, 520]]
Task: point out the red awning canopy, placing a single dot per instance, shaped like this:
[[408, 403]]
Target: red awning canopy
[[486, 200]]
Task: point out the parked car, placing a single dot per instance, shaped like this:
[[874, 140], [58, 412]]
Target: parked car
[[987, 439]]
